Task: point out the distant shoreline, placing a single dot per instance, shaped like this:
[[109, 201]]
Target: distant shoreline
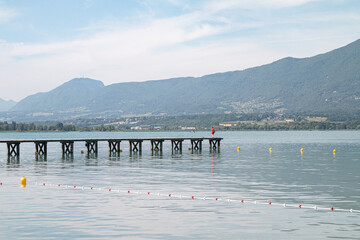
[[218, 130]]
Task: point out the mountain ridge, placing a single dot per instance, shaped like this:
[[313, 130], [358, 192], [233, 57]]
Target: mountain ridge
[[6, 105], [322, 83]]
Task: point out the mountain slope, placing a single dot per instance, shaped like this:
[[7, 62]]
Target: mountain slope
[[6, 105], [323, 83], [72, 95]]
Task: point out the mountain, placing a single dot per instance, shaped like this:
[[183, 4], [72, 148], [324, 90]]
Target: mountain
[[6, 105], [70, 96], [327, 82]]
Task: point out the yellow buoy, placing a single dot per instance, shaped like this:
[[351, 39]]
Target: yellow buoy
[[219, 147], [23, 181], [270, 149], [36, 153], [302, 150], [120, 150], [334, 151], [189, 149], [82, 151], [238, 148]]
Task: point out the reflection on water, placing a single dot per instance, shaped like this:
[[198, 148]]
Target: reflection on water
[[13, 161], [284, 175], [41, 158], [68, 157], [213, 164]]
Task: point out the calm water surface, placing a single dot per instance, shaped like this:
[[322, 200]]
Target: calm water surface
[[316, 177]]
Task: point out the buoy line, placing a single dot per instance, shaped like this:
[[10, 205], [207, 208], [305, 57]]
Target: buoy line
[[193, 197]]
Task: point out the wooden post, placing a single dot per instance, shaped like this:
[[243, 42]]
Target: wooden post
[[114, 146], [157, 145], [135, 145], [214, 144], [41, 148], [176, 145], [13, 149], [196, 144], [67, 147], [92, 146]]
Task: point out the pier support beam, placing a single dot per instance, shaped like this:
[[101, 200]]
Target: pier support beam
[[157, 145], [13, 149], [196, 144], [135, 145], [41, 148], [214, 144], [92, 146], [67, 147], [114, 146], [176, 145]]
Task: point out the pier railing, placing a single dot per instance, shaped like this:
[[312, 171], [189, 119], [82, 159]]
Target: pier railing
[[135, 145]]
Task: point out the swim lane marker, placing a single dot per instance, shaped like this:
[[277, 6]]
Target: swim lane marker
[[192, 197]]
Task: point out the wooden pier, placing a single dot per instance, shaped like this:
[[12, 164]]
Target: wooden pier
[[135, 145]]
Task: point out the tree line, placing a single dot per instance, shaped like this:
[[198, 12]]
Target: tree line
[[175, 123]]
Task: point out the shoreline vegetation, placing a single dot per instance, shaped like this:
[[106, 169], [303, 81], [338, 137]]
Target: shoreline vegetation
[[203, 122]]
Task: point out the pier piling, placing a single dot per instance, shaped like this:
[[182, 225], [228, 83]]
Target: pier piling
[[92, 146], [67, 147], [214, 144], [41, 148], [196, 144], [114, 146], [176, 145], [13, 149], [157, 145], [135, 145]]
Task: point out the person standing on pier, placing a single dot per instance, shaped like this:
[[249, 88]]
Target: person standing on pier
[[212, 131]]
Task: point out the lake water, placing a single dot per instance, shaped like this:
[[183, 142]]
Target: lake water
[[316, 177]]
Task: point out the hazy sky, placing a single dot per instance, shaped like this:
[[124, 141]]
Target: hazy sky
[[46, 43]]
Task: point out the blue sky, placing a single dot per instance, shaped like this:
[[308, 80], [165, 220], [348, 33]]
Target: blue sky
[[46, 43]]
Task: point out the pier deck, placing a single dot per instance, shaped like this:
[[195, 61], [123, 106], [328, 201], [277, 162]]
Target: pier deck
[[135, 144]]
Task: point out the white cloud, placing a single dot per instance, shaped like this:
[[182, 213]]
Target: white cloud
[[254, 4], [192, 44], [7, 14]]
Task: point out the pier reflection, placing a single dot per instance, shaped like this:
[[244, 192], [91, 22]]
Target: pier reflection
[[114, 156], [40, 158], [213, 164], [135, 157], [13, 162], [214, 155], [90, 156], [156, 153], [91, 159], [67, 158]]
